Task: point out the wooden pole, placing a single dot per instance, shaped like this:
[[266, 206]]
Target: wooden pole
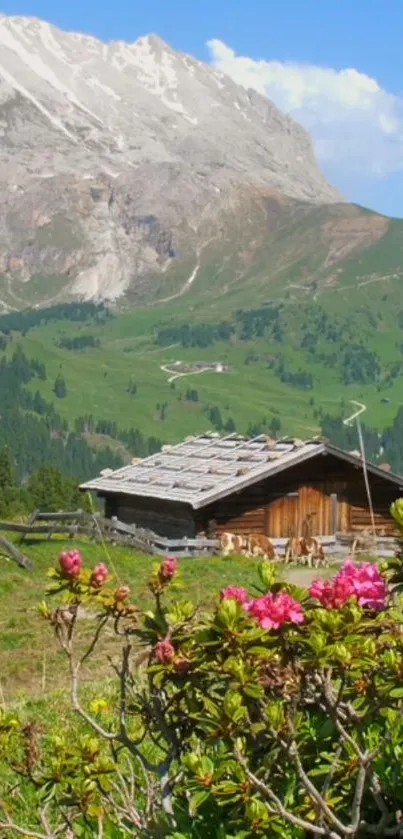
[[10, 550]]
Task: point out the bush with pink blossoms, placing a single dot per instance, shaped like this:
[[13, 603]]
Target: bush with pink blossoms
[[277, 713], [362, 582]]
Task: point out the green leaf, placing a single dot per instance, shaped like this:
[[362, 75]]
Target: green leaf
[[206, 766], [396, 693], [268, 574], [197, 800], [323, 769], [262, 652], [254, 691]]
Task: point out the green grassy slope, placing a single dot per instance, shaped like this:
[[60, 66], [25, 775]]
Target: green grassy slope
[[30, 658], [341, 260]]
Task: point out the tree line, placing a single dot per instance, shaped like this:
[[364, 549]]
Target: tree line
[[78, 342], [380, 446], [137, 443], [35, 434], [47, 488], [30, 318], [197, 335]]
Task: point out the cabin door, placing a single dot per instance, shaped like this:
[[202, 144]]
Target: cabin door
[[308, 512], [316, 512], [282, 517]]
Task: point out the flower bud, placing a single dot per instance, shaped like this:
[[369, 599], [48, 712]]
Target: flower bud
[[121, 593], [168, 568], [99, 575], [71, 563], [164, 652]]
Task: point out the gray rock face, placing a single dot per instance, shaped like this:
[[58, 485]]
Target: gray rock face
[[112, 155]]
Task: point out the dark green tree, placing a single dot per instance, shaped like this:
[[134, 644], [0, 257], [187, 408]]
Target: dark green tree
[[50, 490], [230, 426], [216, 418], [132, 388], [275, 426], [7, 470], [59, 387]]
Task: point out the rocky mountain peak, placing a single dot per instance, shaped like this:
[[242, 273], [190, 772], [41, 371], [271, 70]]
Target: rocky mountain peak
[[171, 134]]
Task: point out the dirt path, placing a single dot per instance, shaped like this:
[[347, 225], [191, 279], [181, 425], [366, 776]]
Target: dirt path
[[189, 282], [174, 376], [305, 576]]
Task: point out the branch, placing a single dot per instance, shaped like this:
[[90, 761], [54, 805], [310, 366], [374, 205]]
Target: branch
[[355, 818], [76, 704], [50, 833], [291, 749], [280, 809], [95, 639], [313, 792], [332, 707], [23, 831]]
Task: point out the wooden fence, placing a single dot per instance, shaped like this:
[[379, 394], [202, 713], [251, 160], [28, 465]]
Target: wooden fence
[[99, 529], [96, 527]]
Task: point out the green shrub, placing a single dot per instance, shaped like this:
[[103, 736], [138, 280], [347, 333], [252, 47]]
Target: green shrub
[[278, 715]]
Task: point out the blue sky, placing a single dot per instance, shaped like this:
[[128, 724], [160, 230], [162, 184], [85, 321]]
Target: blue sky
[[337, 67]]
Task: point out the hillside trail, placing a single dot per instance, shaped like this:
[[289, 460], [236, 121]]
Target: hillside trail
[[191, 278], [54, 298], [174, 376]]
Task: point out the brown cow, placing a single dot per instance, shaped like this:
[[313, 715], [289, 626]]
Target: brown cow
[[305, 550], [259, 545], [232, 543]]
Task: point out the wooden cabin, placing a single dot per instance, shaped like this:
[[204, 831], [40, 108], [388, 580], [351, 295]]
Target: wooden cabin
[[250, 486]]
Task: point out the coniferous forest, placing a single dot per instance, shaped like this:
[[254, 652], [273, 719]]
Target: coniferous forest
[[33, 435], [42, 460]]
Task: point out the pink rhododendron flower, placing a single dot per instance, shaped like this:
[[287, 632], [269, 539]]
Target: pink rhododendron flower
[[71, 563], [164, 652], [169, 568], [99, 575], [121, 593], [368, 583], [235, 593], [362, 581], [332, 594], [272, 611]]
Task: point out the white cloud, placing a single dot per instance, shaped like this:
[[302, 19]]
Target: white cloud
[[357, 126]]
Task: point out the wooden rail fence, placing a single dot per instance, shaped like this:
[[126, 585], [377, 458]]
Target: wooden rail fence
[[96, 527], [100, 529]]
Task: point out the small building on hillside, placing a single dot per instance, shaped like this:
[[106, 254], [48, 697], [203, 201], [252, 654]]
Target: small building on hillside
[[280, 489]]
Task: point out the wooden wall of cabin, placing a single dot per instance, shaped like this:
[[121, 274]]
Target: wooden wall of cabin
[[162, 517], [318, 498]]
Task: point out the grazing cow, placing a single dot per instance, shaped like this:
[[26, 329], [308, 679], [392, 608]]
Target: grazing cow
[[305, 550], [259, 545], [232, 543]]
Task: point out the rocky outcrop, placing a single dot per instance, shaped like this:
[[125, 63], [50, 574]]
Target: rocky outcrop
[[113, 157]]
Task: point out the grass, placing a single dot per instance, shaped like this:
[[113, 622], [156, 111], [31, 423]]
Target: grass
[[32, 664], [274, 254], [97, 381]]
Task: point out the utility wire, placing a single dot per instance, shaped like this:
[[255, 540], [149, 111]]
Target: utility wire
[[356, 417]]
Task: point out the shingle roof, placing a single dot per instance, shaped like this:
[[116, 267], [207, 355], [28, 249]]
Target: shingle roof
[[202, 469]]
